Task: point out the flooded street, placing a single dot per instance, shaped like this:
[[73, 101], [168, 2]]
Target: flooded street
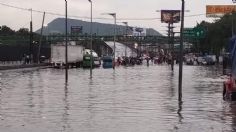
[[132, 99]]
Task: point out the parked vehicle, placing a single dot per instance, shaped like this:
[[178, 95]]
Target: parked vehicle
[[96, 62], [189, 61], [200, 60], [210, 59], [87, 60], [107, 62], [75, 55]]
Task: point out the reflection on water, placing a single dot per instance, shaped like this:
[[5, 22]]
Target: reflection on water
[[129, 99], [179, 112]]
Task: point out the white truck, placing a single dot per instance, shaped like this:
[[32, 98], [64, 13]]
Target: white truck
[[75, 54]]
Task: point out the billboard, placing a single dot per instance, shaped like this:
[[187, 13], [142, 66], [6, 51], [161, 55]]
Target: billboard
[[139, 31], [219, 10], [76, 29], [170, 16]]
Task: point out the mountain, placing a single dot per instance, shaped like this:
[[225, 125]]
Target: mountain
[[57, 26]]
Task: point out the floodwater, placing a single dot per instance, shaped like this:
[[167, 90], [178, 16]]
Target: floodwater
[[129, 99]]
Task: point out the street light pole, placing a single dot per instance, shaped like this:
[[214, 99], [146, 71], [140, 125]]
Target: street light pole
[[66, 50], [31, 37], [114, 49], [181, 53], [114, 15], [40, 41], [172, 43], [114, 57], [91, 40], [126, 35]]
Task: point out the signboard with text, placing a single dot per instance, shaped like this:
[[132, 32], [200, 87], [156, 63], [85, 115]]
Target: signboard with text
[[170, 16], [188, 33], [139, 31], [219, 10], [76, 29], [197, 32]]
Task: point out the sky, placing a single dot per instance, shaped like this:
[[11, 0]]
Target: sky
[[125, 10]]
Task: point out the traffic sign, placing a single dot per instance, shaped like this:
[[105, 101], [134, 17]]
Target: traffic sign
[[198, 32], [189, 33]]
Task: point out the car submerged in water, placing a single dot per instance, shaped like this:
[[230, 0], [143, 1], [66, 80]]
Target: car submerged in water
[[202, 60], [107, 62], [209, 60]]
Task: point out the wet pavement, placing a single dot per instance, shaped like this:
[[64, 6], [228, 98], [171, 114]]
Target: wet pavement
[[129, 99]]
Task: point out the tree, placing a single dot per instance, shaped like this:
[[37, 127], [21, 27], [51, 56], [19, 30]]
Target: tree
[[6, 30], [23, 31], [218, 34]]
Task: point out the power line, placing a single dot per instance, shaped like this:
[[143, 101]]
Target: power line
[[196, 15], [26, 24], [99, 18], [50, 13], [139, 19]]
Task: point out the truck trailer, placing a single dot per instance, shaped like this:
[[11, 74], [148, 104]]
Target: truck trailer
[[75, 55]]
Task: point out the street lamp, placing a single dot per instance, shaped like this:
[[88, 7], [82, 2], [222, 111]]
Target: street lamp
[[114, 54], [126, 24], [91, 39]]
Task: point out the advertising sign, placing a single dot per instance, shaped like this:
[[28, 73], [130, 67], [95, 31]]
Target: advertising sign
[[139, 31], [76, 29], [170, 16], [219, 10]]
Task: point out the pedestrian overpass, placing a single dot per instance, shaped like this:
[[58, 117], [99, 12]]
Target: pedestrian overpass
[[122, 49]]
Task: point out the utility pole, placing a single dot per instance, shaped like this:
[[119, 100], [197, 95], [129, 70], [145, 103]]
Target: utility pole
[[66, 45], [140, 44], [114, 50], [181, 53], [114, 15], [40, 41], [171, 41], [91, 38], [31, 37], [172, 46], [126, 36]]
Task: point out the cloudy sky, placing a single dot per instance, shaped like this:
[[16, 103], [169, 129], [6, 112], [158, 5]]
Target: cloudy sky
[[125, 9]]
